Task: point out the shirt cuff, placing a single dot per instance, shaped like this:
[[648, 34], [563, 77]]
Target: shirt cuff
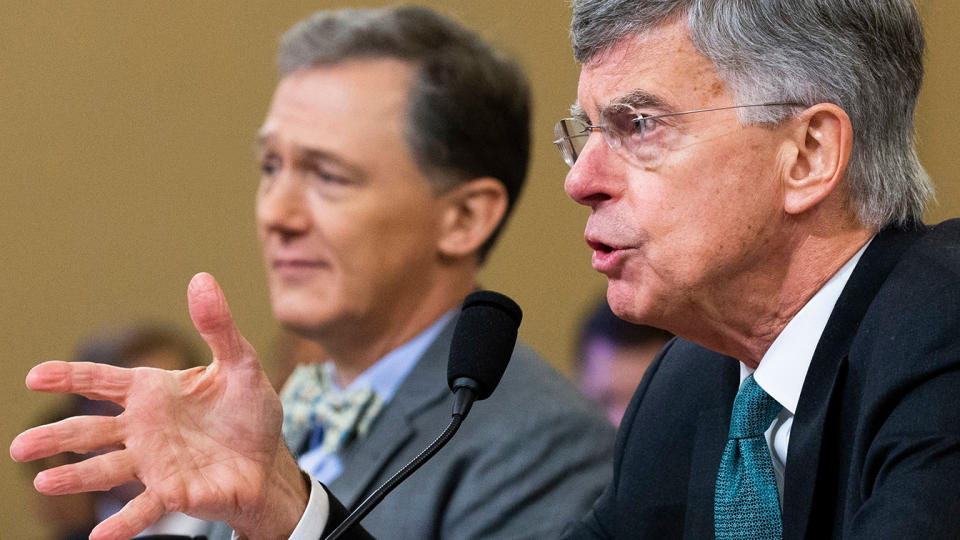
[[314, 518]]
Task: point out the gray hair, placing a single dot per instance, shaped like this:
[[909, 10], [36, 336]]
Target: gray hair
[[865, 56], [469, 109]]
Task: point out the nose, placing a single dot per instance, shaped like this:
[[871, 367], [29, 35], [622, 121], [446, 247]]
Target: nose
[[593, 177], [282, 206]]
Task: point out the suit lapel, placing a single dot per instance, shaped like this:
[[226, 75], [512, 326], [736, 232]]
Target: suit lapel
[[825, 376], [394, 429], [713, 425]]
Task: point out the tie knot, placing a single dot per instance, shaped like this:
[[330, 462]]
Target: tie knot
[[753, 411], [312, 402]]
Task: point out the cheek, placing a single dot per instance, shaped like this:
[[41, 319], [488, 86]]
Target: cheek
[[375, 247]]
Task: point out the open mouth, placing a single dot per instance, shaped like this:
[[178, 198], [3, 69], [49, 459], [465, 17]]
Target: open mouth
[[599, 246]]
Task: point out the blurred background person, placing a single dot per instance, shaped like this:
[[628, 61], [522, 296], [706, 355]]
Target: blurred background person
[[369, 255], [612, 356], [151, 345]]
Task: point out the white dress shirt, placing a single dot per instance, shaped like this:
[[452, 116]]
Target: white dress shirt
[[783, 367]]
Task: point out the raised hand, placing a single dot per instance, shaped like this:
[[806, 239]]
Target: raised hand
[[205, 441]]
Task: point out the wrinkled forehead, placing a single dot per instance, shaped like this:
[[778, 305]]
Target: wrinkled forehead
[[659, 69]]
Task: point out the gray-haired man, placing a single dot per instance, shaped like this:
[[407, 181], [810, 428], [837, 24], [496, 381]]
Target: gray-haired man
[[754, 188]]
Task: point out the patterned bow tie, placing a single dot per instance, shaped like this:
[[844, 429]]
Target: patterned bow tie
[[311, 401]]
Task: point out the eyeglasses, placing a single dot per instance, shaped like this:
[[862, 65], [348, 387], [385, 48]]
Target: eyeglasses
[[625, 131]]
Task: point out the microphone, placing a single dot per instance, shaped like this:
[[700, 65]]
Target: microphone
[[483, 341]]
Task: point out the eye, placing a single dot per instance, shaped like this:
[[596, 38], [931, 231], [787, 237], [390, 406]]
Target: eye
[[322, 175], [629, 126], [648, 126], [645, 123], [269, 165]]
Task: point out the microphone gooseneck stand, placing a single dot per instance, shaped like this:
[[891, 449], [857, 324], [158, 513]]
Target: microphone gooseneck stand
[[464, 399], [480, 350]]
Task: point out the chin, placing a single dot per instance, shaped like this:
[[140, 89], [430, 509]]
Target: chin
[[294, 314], [629, 302], [305, 331]]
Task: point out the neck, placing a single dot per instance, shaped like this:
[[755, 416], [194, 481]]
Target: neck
[[743, 320], [362, 343]]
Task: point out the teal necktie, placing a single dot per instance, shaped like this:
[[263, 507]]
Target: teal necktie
[[745, 504]]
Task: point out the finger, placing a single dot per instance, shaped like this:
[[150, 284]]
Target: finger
[[98, 473], [144, 510], [95, 381], [212, 319], [80, 435]]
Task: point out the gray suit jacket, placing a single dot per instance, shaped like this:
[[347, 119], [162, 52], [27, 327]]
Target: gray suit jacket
[[529, 459]]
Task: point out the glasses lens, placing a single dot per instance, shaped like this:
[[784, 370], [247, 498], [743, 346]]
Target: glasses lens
[[571, 136], [624, 128], [638, 140]]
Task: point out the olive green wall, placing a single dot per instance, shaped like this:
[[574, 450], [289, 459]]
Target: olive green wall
[[126, 166]]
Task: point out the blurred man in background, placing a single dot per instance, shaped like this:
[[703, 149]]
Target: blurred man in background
[[394, 148], [150, 345], [612, 356]]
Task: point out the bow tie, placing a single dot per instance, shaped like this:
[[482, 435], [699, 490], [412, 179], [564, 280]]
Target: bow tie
[[312, 403]]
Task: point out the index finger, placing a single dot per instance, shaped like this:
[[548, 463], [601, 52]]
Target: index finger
[[91, 380]]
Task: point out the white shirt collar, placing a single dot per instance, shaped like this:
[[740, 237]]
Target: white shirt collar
[[784, 366]]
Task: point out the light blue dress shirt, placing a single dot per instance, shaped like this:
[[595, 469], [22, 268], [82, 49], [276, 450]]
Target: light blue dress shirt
[[384, 377]]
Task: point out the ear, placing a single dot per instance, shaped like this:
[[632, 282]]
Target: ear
[[474, 210], [823, 138]]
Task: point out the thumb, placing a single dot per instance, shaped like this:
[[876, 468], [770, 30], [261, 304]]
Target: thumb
[[211, 317]]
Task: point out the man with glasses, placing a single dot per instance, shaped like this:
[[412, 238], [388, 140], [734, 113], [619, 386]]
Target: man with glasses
[[754, 188], [394, 147]]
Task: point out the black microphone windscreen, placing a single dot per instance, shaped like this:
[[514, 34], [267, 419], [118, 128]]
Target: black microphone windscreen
[[483, 340]]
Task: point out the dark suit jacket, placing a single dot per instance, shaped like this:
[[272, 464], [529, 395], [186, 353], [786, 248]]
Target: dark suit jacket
[[875, 444]]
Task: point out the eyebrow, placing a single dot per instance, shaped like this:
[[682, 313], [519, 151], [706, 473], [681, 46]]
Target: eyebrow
[[639, 99], [308, 154], [643, 98], [636, 99], [577, 112]]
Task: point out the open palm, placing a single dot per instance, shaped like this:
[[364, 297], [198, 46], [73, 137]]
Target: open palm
[[205, 441]]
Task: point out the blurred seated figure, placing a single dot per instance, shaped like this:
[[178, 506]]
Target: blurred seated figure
[[142, 345], [612, 356]]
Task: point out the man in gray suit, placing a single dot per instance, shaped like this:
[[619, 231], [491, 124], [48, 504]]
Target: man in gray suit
[[393, 150]]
